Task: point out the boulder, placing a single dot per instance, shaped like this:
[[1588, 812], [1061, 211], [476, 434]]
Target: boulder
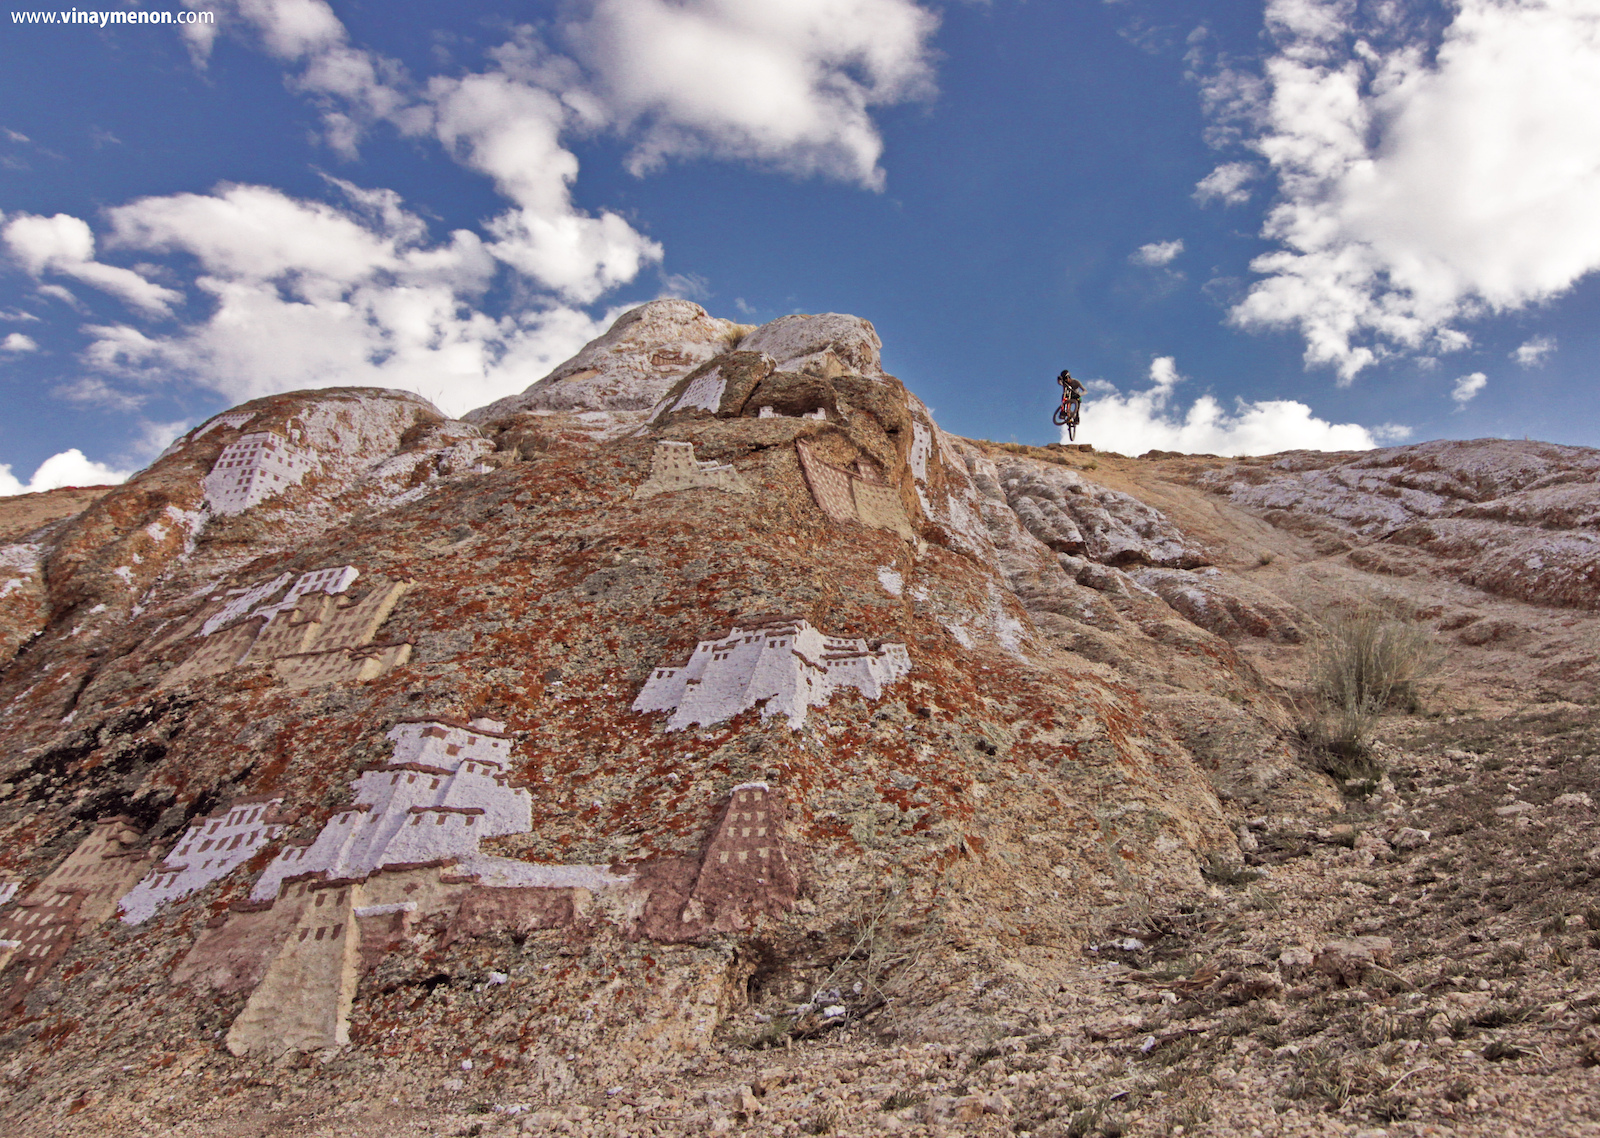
[[630, 367], [826, 344]]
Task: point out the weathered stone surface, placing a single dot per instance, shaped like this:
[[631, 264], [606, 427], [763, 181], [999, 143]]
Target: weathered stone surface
[[1347, 960], [827, 344], [1514, 518], [641, 355], [1072, 514], [1221, 603]]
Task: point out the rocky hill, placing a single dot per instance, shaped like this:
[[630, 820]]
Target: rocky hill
[[704, 739]]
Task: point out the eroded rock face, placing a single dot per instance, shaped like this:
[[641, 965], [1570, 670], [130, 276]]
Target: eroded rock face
[[1072, 514], [628, 368], [829, 344], [1514, 518]]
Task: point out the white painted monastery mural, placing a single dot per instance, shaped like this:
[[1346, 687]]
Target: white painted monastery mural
[[254, 467], [307, 627], [781, 664]]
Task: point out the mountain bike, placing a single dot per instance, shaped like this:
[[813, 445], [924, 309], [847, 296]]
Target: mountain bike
[[1066, 415]]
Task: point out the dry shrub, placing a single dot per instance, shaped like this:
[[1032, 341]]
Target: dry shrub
[[1362, 665]]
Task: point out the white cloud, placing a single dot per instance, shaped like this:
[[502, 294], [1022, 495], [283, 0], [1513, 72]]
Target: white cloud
[[1467, 387], [1149, 420], [1157, 252], [65, 244], [784, 82], [1227, 183], [93, 391], [306, 294], [1532, 353], [69, 468], [17, 342], [504, 122], [511, 132], [1419, 189]]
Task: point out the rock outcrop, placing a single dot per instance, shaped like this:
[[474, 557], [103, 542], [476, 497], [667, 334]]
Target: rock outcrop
[[418, 694]]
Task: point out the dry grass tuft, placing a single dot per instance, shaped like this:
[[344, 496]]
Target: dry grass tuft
[[1361, 666]]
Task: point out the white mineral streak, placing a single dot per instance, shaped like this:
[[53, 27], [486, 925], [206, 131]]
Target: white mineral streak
[[8, 890], [20, 559], [785, 665], [673, 466], [253, 468], [892, 582], [211, 848], [443, 792]]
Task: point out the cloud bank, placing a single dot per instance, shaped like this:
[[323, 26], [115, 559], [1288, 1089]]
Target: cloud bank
[[1420, 185], [262, 292], [1151, 420], [69, 468]]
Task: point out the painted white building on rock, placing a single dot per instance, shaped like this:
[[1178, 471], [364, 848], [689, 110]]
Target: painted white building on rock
[[243, 602], [210, 849], [253, 468], [782, 664], [445, 790], [673, 466]]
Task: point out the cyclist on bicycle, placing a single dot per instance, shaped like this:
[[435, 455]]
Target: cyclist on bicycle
[[1071, 400]]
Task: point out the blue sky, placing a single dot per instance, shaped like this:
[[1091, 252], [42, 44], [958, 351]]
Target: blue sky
[[1250, 226]]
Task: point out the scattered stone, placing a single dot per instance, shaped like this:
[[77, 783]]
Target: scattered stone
[[1348, 960]]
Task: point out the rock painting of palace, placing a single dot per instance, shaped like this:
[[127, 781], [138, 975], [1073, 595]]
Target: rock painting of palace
[[403, 859], [445, 791], [781, 664], [859, 496], [254, 467], [673, 466], [38, 929], [746, 867], [233, 419], [210, 849], [316, 633], [405, 850]]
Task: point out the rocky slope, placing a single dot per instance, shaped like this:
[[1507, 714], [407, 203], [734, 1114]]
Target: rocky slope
[[546, 769]]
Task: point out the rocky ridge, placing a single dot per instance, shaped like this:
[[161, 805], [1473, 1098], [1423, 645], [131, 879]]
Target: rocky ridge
[[1104, 661]]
